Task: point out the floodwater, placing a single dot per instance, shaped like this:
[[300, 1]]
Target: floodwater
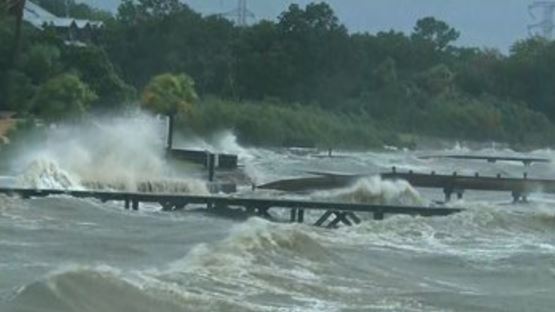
[[64, 254]]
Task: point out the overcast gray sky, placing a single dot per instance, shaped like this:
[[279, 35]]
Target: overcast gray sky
[[482, 23]]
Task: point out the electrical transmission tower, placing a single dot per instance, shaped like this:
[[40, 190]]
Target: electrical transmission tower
[[546, 26], [241, 13]]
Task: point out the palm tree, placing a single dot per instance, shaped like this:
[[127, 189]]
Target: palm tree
[[16, 7]]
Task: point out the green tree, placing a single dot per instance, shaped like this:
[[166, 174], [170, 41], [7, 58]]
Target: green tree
[[437, 32], [64, 96], [313, 39], [17, 8], [137, 10], [41, 62], [386, 73], [528, 75], [437, 80], [20, 91], [170, 94], [96, 70], [479, 72]]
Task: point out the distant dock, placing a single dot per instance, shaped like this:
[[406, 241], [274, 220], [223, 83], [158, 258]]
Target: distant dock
[[453, 184], [520, 188], [527, 161], [333, 213]]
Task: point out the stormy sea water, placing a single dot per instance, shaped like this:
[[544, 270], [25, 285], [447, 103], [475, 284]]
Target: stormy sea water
[[65, 254]]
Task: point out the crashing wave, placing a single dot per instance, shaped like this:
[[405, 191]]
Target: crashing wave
[[375, 191], [169, 186], [47, 174]]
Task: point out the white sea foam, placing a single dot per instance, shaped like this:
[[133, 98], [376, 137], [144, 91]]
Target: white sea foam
[[374, 190], [123, 153]]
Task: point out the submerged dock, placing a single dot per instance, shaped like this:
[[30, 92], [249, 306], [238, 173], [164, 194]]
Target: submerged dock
[[333, 213]]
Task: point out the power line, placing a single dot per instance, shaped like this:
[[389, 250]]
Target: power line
[[240, 14], [546, 26]]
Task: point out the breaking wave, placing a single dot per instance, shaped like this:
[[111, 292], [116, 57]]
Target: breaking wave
[[483, 234], [47, 174], [376, 191], [124, 153], [258, 259], [87, 289], [222, 142]]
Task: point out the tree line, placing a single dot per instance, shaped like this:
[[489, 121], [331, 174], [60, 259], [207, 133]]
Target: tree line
[[304, 60]]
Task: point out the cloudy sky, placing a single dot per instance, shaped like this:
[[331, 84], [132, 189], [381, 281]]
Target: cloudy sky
[[483, 23]]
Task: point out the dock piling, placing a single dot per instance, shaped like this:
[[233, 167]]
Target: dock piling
[[211, 166], [300, 215], [379, 215], [448, 192]]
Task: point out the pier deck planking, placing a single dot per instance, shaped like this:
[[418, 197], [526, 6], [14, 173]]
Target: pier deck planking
[[339, 212]]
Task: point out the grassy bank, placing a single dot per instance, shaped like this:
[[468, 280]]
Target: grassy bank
[[272, 123], [279, 124]]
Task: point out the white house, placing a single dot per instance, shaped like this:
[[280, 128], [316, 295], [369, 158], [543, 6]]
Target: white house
[[73, 30]]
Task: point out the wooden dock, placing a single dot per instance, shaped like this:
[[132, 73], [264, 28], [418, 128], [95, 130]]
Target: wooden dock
[[527, 161], [456, 184], [520, 188], [333, 213]]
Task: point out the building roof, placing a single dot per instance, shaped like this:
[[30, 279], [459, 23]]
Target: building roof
[[39, 17]]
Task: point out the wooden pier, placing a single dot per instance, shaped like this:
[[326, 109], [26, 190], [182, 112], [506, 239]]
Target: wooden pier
[[454, 184], [527, 161], [520, 188], [333, 213]]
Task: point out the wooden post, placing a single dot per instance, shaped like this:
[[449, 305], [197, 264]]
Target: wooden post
[[18, 9], [127, 203], [211, 166], [170, 132], [135, 204], [447, 193], [516, 196], [293, 217], [379, 215], [300, 215]]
